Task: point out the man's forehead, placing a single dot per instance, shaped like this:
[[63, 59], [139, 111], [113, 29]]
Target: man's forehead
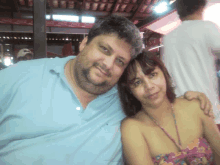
[[110, 35]]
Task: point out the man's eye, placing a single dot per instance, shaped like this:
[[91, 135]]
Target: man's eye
[[104, 48], [120, 62]]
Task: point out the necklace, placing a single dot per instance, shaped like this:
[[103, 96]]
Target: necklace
[[178, 145]]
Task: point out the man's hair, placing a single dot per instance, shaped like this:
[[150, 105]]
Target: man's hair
[[121, 27], [148, 61], [188, 7]]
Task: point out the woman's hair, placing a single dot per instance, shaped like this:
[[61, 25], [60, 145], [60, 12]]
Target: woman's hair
[[148, 61], [188, 7]]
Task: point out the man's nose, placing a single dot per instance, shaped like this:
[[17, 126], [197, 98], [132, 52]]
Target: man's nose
[[109, 62]]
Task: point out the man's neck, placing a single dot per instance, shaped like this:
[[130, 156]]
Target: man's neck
[[191, 18], [84, 97], [195, 16]]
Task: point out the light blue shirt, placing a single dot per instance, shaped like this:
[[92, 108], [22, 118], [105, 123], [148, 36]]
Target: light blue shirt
[[43, 123]]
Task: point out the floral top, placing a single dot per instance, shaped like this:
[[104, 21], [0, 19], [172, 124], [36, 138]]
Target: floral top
[[197, 153]]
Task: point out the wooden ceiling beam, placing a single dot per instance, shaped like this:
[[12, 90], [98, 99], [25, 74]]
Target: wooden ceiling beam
[[155, 17], [114, 7], [83, 4], [137, 10], [75, 12], [5, 7], [26, 3], [16, 5]]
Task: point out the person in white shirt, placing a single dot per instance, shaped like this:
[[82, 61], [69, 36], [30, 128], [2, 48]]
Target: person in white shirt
[[190, 52]]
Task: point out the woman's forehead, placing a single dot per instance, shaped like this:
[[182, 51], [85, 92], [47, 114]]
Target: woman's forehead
[[137, 69]]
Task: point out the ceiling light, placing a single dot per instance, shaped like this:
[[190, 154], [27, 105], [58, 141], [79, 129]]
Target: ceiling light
[[171, 1], [48, 16], [88, 19], [7, 61], [161, 7], [68, 18]]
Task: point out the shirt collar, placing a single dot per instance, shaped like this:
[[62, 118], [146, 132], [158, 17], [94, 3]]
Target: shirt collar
[[58, 64]]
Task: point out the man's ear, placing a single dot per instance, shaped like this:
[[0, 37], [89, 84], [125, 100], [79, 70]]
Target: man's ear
[[83, 44]]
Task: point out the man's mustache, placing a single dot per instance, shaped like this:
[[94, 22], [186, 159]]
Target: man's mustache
[[104, 68]]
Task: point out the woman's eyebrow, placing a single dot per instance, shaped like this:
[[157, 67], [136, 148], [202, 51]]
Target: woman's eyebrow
[[133, 79]]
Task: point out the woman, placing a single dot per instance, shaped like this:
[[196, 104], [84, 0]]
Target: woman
[[160, 128]]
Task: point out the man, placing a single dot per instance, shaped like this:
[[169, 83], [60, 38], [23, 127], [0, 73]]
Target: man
[[24, 54], [67, 111], [190, 51]]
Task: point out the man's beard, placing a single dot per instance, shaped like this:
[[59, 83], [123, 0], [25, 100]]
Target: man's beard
[[86, 75], [84, 81]]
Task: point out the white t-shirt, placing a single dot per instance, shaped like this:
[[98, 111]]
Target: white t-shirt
[[189, 55]]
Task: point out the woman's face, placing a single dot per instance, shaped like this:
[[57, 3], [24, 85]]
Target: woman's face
[[150, 89]]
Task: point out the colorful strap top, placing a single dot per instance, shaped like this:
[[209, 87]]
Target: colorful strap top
[[197, 153]]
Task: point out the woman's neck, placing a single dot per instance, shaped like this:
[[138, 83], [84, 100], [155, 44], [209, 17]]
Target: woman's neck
[[159, 113]]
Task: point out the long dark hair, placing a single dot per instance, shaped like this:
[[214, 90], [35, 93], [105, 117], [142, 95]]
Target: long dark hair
[[148, 62]]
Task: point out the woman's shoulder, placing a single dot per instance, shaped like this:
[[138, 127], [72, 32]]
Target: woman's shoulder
[[187, 106], [130, 121], [131, 124]]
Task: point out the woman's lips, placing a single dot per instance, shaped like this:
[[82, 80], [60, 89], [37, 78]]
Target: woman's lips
[[153, 96]]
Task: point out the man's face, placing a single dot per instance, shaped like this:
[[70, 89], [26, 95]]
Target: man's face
[[100, 63]]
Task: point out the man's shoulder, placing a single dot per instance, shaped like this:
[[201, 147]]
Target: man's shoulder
[[29, 64], [36, 65]]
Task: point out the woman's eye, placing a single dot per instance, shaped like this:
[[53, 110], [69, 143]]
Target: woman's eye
[[136, 83], [153, 74]]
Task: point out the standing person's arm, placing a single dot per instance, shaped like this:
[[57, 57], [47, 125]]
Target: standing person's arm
[[135, 148]]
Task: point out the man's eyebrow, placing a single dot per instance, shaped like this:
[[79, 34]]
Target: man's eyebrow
[[106, 45]]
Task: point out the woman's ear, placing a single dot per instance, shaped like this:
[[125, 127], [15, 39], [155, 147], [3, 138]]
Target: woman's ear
[[83, 44]]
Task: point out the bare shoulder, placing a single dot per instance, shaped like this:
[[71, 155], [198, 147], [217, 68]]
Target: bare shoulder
[[190, 107], [130, 125]]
